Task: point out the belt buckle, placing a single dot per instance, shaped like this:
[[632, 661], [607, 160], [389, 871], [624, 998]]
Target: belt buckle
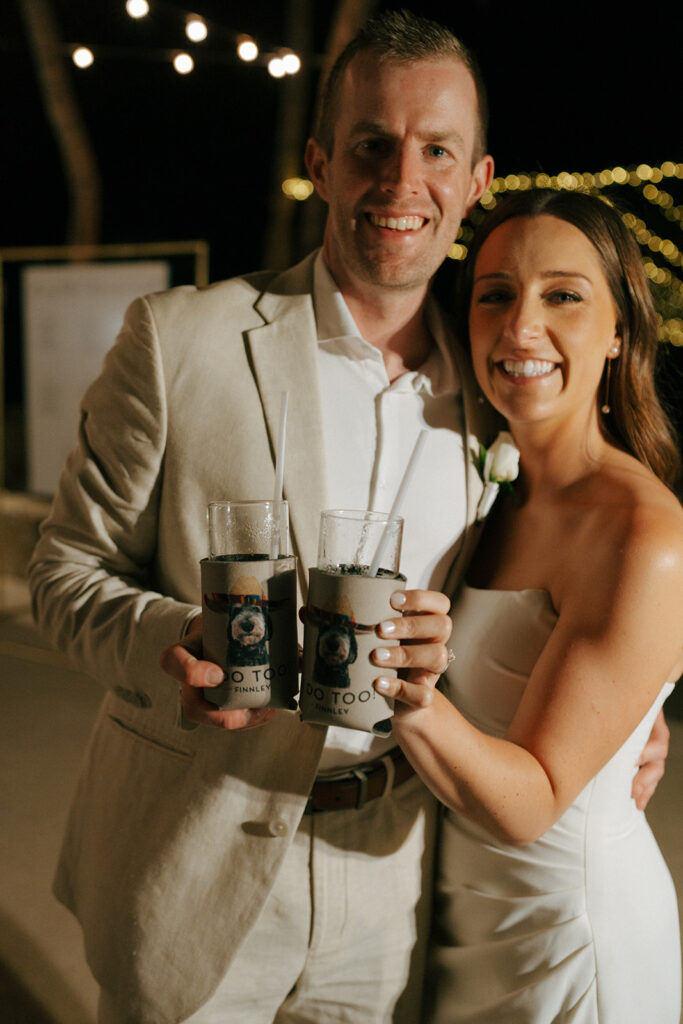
[[362, 774]]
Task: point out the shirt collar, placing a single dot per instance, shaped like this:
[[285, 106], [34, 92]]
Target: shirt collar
[[332, 315], [437, 375]]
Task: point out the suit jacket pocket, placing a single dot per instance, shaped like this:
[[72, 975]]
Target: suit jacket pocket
[[155, 743]]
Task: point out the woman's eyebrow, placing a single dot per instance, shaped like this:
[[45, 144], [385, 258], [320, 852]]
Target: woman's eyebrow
[[502, 275]]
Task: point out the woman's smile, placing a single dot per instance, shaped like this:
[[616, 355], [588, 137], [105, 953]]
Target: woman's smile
[[542, 319], [525, 368]]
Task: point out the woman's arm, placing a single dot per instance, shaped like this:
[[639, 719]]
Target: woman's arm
[[617, 640]]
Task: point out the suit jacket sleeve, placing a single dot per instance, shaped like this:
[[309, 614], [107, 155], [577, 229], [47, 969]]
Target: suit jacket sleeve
[[91, 575]]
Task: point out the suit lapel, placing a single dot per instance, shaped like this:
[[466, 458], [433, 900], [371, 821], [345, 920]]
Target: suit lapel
[[284, 354]]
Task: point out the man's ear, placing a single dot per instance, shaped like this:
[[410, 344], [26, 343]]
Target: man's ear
[[482, 176], [316, 165]]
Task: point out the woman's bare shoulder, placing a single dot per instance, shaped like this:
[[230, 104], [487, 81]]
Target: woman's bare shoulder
[[641, 503], [633, 527]]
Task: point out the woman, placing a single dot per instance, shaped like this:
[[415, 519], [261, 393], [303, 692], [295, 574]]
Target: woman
[[553, 901]]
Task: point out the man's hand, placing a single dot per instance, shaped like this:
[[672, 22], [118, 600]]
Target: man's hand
[[184, 662], [651, 763]]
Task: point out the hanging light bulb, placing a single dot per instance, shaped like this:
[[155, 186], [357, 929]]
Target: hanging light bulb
[[246, 48], [297, 188], [195, 28], [276, 67], [137, 8], [183, 63], [82, 57], [291, 62]]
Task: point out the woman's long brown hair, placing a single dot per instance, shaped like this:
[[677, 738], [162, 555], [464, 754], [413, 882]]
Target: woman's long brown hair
[[637, 420]]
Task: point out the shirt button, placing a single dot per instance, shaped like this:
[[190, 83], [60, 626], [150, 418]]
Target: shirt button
[[278, 827]]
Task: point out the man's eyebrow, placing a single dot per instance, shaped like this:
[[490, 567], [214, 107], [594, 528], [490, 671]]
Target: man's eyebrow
[[370, 128], [437, 135], [502, 275]]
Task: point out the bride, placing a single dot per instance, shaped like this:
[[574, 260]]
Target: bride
[[553, 901]]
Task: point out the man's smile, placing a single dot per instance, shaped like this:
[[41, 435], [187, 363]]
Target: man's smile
[[406, 223]]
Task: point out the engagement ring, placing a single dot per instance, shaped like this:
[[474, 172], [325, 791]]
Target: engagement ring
[[450, 656]]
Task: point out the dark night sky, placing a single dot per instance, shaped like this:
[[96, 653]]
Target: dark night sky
[[572, 87]]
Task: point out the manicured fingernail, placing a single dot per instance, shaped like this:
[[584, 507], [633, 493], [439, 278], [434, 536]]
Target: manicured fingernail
[[382, 685], [388, 627], [214, 676], [397, 599], [382, 654]]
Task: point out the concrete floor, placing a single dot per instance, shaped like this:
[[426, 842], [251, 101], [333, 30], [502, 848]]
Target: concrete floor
[[47, 713]]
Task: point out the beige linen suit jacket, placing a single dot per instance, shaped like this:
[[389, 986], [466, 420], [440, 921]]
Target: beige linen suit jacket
[[176, 834]]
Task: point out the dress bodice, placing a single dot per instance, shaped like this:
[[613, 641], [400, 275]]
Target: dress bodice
[[498, 636]]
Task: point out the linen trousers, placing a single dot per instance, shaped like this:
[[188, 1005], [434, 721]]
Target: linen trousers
[[342, 936]]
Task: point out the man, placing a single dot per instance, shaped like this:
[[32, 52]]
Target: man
[[211, 874]]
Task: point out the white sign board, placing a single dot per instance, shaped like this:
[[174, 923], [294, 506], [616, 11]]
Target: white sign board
[[72, 314]]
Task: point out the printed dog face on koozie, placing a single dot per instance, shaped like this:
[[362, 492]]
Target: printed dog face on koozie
[[249, 630], [335, 649]]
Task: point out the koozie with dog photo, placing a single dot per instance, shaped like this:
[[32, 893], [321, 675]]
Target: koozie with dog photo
[[342, 614], [250, 630]]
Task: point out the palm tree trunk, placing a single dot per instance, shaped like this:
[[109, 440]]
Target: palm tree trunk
[[78, 159]]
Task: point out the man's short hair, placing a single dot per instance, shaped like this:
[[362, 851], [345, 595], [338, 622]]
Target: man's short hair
[[406, 38]]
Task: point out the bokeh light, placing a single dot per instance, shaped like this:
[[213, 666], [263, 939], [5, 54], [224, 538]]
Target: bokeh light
[[195, 28], [82, 57], [137, 8], [247, 49], [183, 63], [297, 188], [276, 67], [291, 62]]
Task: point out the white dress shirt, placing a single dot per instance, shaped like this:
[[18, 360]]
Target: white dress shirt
[[370, 427]]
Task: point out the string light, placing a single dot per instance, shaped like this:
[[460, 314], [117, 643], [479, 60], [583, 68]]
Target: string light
[[297, 188], [82, 57], [195, 28], [247, 50], [279, 61], [457, 251], [644, 178], [285, 63], [666, 283], [291, 62], [137, 8], [276, 67], [183, 63]]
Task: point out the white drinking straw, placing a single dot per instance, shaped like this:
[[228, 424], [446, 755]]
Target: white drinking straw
[[279, 469], [398, 500], [280, 456]]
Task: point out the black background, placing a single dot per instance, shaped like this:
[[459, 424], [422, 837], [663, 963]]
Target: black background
[[575, 87], [572, 87]]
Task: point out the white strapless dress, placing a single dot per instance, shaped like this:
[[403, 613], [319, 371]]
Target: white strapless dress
[[580, 926]]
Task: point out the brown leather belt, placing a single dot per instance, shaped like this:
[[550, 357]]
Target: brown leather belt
[[366, 782]]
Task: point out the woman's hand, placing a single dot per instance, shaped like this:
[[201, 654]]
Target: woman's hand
[[423, 629]]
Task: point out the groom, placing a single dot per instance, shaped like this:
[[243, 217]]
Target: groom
[[279, 873]]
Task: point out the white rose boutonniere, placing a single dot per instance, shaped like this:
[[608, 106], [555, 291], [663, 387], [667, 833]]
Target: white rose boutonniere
[[498, 466]]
